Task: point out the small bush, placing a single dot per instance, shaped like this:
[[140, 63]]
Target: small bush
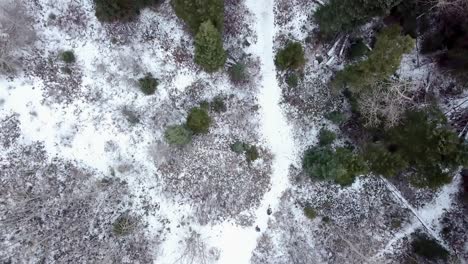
[[178, 135], [251, 154], [292, 80], [336, 117], [148, 84], [238, 73], [321, 163], [310, 213], [341, 165], [124, 225], [209, 52], [68, 56], [218, 105], [291, 57], [326, 137], [198, 121], [428, 248], [239, 147], [66, 70]]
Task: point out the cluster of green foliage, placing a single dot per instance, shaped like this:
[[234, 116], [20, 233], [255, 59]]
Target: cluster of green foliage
[[218, 105], [357, 50], [209, 52], [198, 121], [178, 135], [68, 56], [342, 15], [238, 72], [251, 154], [292, 80], [196, 12], [336, 117], [326, 137], [250, 151], [428, 248], [239, 147], [340, 165], [382, 62], [148, 84], [120, 10], [291, 57], [124, 225], [424, 143], [310, 213]]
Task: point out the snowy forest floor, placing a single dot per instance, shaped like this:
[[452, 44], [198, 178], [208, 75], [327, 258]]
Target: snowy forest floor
[[79, 151]]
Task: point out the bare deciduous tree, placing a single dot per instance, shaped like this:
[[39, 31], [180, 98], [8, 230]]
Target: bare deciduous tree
[[16, 33], [385, 103], [195, 251]]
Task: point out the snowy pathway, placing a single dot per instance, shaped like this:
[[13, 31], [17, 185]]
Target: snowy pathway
[[236, 243]]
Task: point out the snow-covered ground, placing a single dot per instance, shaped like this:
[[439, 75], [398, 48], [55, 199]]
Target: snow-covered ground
[[203, 203]]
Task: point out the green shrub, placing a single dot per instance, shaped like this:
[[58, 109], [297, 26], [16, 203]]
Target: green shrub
[[428, 248], [178, 135], [209, 52], [322, 164], [218, 105], [310, 213], [292, 80], [68, 56], [291, 57], [66, 70], [195, 13], [148, 84], [336, 117], [339, 16], [251, 154], [342, 165], [239, 147], [382, 62], [237, 72], [326, 137], [124, 225], [198, 121], [122, 10]]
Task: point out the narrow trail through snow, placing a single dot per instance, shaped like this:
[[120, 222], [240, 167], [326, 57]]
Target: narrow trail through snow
[[237, 243]]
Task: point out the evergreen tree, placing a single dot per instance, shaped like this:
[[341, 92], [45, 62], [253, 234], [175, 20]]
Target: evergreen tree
[[209, 52], [198, 121], [196, 12], [291, 57], [344, 15], [383, 61]]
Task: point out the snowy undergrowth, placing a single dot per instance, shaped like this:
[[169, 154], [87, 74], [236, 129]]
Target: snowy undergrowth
[[96, 116]]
